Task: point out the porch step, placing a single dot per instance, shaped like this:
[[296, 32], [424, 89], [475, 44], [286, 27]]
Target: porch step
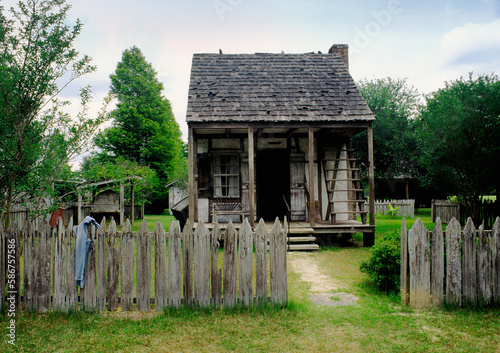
[[303, 247], [306, 242], [294, 231], [309, 239]]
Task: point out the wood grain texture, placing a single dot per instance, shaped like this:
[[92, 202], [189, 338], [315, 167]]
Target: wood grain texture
[[216, 273], [29, 262], [42, 291], [160, 267], [101, 265], [113, 281], [469, 268], [72, 289], [453, 264], [495, 240], [127, 243], [174, 265], [484, 268], [261, 239], [230, 267], [437, 260], [59, 271], [245, 250], [201, 266], [143, 268], [420, 262], [405, 269], [187, 258]]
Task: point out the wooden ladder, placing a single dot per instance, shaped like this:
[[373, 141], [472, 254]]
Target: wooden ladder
[[354, 191]]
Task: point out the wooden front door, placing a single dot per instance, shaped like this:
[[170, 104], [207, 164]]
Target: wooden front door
[[297, 187]]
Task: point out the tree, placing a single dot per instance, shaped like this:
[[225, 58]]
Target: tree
[[395, 105], [459, 131], [144, 130], [38, 61]]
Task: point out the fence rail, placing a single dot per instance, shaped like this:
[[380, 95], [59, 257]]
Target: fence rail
[[193, 276], [458, 267]]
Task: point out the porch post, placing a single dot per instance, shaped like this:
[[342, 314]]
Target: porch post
[[369, 238], [193, 193], [371, 176], [312, 211], [251, 176]]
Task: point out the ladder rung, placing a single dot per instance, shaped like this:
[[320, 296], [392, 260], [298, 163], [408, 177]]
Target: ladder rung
[[340, 159], [341, 169], [348, 212], [344, 190], [345, 201], [353, 179]]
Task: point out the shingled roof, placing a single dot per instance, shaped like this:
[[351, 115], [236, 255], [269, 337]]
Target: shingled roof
[[272, 88]]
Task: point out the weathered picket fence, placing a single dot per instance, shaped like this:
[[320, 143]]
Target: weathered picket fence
[[454, 267], [445, 209], [406, 207], [192, 277]]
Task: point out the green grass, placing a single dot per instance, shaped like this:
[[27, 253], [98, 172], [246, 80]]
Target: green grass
[[152, 219], [377, 323], [385, 225]]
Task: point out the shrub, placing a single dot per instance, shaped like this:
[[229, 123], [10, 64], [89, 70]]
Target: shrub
[[383, 266]]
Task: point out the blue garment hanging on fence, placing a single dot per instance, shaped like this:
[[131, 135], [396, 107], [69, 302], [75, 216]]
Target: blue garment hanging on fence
[[82, 247]]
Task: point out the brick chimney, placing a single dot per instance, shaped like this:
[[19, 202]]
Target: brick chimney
[[343, 51]]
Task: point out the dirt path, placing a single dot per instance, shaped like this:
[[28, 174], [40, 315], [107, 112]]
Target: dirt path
[[307, 266], [324, 289]]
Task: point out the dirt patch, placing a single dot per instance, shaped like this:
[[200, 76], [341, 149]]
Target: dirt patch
[[334, 299], [322, 286], [132, 315]]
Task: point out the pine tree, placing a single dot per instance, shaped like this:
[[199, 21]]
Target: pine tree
[[144, 130]]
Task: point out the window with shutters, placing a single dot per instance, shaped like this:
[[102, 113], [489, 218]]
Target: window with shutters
[[226, 175]]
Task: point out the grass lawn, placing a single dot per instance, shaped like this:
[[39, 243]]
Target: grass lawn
[[376, 323]]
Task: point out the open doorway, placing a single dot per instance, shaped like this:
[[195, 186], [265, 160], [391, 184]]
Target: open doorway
[[273, 183]]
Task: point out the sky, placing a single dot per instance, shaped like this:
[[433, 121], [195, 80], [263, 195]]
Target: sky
[[427, 41]]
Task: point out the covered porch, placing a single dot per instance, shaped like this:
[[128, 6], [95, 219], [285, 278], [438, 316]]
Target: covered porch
[[305, 189]]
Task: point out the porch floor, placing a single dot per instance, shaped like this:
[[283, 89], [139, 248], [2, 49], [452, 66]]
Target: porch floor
[[302, 232], [304, 227]]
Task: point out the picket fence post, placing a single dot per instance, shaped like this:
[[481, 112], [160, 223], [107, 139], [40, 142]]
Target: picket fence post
[[49, 255], [113, 267], [472, 258], [160, 236]]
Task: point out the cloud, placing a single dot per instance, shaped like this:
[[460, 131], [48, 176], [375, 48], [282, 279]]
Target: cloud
[[473, 45]]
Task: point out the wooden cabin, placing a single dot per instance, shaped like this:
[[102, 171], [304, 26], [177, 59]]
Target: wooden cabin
[[270, 136]]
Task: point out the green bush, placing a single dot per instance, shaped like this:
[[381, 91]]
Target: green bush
[[383, 266]]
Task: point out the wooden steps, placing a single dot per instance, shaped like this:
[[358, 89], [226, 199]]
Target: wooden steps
[[308, 239], [302, 240], [303, 247]]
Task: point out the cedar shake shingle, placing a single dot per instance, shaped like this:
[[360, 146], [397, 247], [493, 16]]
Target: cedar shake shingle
[[273, 88]]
